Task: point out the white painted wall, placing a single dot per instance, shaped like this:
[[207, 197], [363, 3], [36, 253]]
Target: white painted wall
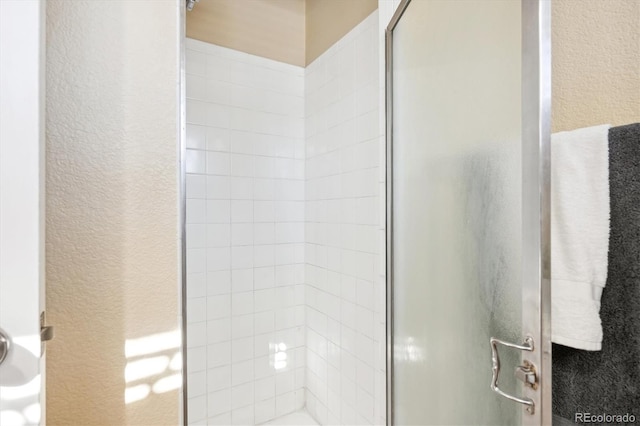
[[245, 236], [21, 208]]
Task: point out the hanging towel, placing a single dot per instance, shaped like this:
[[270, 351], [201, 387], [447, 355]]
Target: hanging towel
[[579, 234], [608, 381]]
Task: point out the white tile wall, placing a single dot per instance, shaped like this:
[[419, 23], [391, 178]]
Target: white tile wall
[[245, 236], [344, 233], [285, 233]]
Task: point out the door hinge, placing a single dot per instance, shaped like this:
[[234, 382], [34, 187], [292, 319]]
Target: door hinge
[[46, 331]]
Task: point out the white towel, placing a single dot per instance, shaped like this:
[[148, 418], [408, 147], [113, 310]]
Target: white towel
[[579, 234]]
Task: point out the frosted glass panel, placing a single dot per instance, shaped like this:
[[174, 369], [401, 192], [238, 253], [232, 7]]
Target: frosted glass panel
[[456, 209]]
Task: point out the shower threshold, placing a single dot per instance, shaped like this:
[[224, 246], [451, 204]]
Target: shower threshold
[[299, 418]]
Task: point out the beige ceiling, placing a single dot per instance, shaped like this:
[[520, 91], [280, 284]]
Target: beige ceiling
[[327, 21], [291, 31], [269, 28]]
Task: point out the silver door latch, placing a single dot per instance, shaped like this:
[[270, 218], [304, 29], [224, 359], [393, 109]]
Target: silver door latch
[[527, 374]]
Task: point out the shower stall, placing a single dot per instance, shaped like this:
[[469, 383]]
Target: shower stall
[[285, 234], [367, 236]]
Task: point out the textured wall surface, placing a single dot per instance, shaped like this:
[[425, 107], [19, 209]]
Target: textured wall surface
[[272, 29], [596, 63], [344, 234], [326, 22], [245, 236], [111, 231]]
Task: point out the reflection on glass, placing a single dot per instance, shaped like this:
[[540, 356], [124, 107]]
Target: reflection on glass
[[408, 351]]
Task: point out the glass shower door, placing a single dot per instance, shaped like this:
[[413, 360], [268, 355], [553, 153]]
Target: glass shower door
[[468, 129]]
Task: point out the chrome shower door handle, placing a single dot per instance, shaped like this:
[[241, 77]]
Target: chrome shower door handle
[[5, 345], [524, 372]]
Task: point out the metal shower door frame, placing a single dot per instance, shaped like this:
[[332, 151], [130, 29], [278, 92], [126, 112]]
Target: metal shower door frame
[[536, 131]]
